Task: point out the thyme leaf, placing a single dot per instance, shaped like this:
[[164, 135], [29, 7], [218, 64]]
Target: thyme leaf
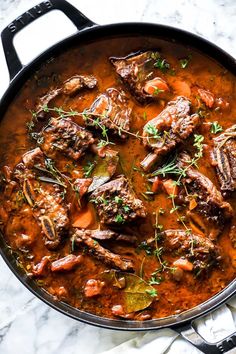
[[216, 128]]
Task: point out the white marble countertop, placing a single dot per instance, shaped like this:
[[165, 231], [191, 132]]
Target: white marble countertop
[[27, 325]]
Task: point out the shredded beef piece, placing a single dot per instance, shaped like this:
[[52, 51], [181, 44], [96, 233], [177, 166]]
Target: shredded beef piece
[[33, 157], [207, 97], [200, 251], [66, 263], [69, 87], [93, 287], [99, 252], [224, 159], [63, 136], [112, 110], [44, 101], [77, 83], [210, 204], [106, 235], [45, 199], [81, 185], [40, 268], [116, 203], [138, 74], [171, 127]]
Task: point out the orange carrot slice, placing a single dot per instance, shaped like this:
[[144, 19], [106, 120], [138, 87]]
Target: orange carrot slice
[[84, 219], [155, 86], [170, 187], [156, 184], [184, 264]]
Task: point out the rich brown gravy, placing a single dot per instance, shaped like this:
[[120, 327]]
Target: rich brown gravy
[[173, 297]]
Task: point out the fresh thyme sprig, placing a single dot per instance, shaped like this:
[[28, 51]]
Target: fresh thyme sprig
[[53, 171], [59, 178], [172, 167], [159, 250], [152, 132], [96, 121], [169, 168]]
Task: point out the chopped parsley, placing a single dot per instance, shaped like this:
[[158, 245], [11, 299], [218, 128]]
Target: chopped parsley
[[118, 200], [144, 115], [216, 128], [157, 91], [119, 219], [185, 61], [155, 280], [126, 208], [147, 248], [152, 292], [88, 169], [162, 65]]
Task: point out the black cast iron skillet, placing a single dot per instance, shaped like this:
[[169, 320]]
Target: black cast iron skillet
[[87, 31]]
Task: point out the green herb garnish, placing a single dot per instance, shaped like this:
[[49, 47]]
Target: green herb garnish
[[152, 292], [216, 128], [88, 169], [162, 65], [185, 61]]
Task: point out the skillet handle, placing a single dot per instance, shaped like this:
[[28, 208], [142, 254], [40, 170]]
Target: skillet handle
[[13, 62], [189, 333]]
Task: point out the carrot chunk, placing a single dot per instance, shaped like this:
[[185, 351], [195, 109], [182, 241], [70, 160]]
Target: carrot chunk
[[192, 204], [66, 263], [170, 187], [84, 219], [156, 184], [184, 264], [93, 287], [155, 86], [39, 268]]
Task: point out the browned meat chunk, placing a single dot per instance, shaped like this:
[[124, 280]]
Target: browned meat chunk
[[40, 268], [104, 255], [209, 201], [111, 109], [116, 203], [200, 251], [224, 159], [105, 235], [44, 102], [63, 136], [45, 198], [139, 74], [93, 287], [33, 157], [69, 87], [232, 235], [81, 185], [66, 263], [168, 130], [207, 97], [77, 83]]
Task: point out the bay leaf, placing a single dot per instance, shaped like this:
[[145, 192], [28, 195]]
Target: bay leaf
[[136, 295], [104, 169]]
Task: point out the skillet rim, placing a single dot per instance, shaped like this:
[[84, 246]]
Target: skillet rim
[[99, 32]]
